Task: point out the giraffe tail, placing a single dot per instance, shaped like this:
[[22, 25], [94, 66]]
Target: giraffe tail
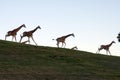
[[53, 39]]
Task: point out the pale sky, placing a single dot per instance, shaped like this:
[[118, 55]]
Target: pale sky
[[94, 22]]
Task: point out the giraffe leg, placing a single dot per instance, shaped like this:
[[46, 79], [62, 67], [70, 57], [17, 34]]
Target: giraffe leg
[[12, 38], [97, 52], [20, 39], [34, 40], [57, 44], [62, 44], [15, 39], [5, 37], [109, 52], [29, 39], [65, 44]]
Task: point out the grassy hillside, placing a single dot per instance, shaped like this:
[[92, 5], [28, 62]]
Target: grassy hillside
[[27, 62]]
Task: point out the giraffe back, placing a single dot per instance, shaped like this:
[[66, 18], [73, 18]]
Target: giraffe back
[[61, 39], [28, 34]]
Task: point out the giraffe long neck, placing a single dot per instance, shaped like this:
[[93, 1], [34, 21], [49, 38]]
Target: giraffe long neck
[[18, 28], [110, 44], [68, 35], [34, 30]]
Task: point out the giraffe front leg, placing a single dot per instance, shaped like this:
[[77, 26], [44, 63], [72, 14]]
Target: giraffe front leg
[[29, 39], [21, 38], [62, 44], [65, 44], [97, 52], [12, 38], [34, 41], [5, 37], [57, 44], [109, 52], [15, 39]]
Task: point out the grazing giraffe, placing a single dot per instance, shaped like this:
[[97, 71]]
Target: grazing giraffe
[[74, 48], [62, 39], [106, 47], [25, 42], [13, 33], [29, 34]]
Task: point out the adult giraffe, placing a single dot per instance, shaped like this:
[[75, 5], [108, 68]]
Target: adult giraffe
[[29, 34], [105, 47], [13, 33], [62, 39]]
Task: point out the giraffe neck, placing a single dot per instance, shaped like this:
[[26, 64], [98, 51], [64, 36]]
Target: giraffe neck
[[110, 44], [68, 35], [34, 30], [19, 28]]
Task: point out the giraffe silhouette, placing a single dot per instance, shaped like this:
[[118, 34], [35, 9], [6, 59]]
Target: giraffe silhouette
[[13, 33], [62, 39], [74, 48], [29, 34], [105, 47]]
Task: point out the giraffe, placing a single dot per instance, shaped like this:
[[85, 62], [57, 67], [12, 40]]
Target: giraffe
[[62, 39], [25, 42], [13, 33], [29, 34], [106, 47], [74, 48]]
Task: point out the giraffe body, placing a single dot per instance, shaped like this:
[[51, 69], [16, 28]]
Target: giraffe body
[[13, 33], [29, 34], [62, 39], [105, 47]]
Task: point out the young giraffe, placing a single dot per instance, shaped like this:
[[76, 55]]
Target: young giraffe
[[62, 39], [105, 47], [25, 42], [29, 34], [13, 33], [74, 48]]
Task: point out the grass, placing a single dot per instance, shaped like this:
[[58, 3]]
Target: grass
[[28, 62]]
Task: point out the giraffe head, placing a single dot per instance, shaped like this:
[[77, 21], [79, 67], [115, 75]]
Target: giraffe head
[[113, 41], [23, 25], [39, 27], [72, 35]]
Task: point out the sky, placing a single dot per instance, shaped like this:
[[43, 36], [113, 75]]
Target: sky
[[93, 22]]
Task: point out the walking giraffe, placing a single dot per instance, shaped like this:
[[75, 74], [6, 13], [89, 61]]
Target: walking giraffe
[[62, 39], [13, 33], [29, 34], [105, 47]]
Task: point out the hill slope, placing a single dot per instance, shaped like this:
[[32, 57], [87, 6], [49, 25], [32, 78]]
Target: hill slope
[[27, 62]]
